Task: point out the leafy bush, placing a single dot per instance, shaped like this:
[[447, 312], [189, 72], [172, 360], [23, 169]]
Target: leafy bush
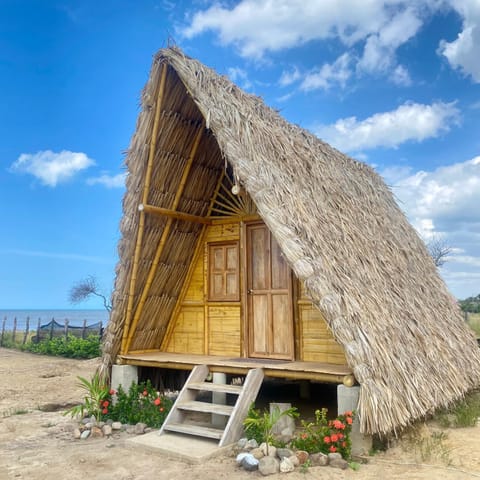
[[70, 347], [95, 400], [325, 435], [142, 403]]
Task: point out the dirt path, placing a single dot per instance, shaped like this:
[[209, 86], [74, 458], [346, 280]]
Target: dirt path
[[38, 445]]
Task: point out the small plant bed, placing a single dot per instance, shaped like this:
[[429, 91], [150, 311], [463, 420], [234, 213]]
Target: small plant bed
[[322, 442]]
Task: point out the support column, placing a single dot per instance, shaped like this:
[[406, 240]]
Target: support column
[[124, 375], [347, 398], [219, 421]]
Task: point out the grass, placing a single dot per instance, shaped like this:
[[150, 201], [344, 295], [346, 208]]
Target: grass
[[428, 446], [474, 322], [465, 413]]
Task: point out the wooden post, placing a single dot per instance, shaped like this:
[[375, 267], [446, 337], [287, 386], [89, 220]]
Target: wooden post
[[38, 330], [66, 329], [27, 327], [14, 329], [3, 331], [51, 328], [141, 225], [84, 329]]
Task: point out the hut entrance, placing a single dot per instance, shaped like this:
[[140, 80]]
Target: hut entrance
[[269, 297]]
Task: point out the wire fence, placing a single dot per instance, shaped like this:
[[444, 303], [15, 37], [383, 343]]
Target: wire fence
[[21, 332]]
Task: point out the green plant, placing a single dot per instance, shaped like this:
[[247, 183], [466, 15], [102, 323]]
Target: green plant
[[305, 466], [259, 425], [70, 347], [429, 446], [142, 403], [325, 435], [96, 398], [464, 413]]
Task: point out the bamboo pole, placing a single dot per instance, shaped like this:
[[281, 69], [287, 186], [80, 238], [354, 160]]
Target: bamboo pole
[[164, 237], [27, 328], [173, 214], [141, 225]]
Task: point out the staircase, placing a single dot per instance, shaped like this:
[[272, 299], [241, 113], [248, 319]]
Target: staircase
[[178, 418]]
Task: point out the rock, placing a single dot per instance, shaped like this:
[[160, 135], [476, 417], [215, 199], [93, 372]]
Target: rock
[[97, 432], [100, 424], [85, 420], [240, 457], [271, 451], [319, 459], [77, 434], [302, 456], [116, 425], [242, 442], [294, 460], [257, 453], [286, 465], [107, 430], [251, 444], [130, 429], [88, 425], [268, 465], [85, 434], [140, 428], [334, 455], [339, 463], [109, 422], [249, 463], [284, 452]]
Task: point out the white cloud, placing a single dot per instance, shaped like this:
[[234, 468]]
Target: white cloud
[[240, 77], [401, 77], [409, 122], [444, 202], [287, 78], [52, 168], [109, 181], [329, 74], [257, 26], [464, 51]]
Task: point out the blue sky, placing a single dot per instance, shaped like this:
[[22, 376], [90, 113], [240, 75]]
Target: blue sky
[[393, 83]]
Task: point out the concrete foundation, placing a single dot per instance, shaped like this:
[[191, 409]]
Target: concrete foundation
[[285, 422], [347, 400], [124, 375], [219, 421]]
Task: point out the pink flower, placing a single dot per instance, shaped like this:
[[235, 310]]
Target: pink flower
[[145, 393], [333, 449], [327, 440], [334, 437], [157, 402]]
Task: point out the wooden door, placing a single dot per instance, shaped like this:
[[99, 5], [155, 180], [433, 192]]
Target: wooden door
[[269, 297]]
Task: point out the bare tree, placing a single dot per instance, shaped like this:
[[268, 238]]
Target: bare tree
[[439, 250], [86, 288]]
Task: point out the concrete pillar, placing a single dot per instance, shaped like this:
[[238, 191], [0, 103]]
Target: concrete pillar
[[285, 422], [347, 398], [219, 421], [124, 375]]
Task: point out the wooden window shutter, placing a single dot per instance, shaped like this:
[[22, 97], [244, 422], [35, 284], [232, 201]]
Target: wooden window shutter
[[223, 272]]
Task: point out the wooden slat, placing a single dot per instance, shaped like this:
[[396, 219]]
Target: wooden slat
[[216, 387], [166, 212], [204, 407], [197, 430]]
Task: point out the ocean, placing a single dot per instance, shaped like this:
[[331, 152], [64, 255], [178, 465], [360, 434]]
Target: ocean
[[75, 317]]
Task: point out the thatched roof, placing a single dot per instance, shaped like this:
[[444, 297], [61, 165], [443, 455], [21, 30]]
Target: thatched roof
[[335, 220]]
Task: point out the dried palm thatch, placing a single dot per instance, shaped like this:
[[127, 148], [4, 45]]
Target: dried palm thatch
[[334, 218]]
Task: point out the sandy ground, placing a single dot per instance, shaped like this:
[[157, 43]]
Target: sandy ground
[[37, 444]]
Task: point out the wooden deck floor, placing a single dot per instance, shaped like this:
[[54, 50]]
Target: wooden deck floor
[[296, 370]]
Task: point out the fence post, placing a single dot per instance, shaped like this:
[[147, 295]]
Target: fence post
[[51, 328], [3, 331], [14, 330], [27, 328], [84, 329], [66, 329], [38, 330]]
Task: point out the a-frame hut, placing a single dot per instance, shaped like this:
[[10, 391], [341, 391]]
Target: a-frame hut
[[247, 241]]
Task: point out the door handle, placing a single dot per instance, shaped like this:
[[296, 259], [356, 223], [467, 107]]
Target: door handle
[[249, 291]]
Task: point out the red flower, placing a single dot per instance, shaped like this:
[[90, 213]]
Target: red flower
[[105, 411], [333, 449], [338, 424], [340, 436], [344, 444], [349, 420], [327, 440], [161, 409], [334, 437], [145, 393], [106, 403], [348, 414], [112, 391], [303, 436], [157, 401]]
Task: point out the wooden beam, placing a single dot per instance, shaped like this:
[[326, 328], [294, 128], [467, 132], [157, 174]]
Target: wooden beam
[[173, 214], [163, 238], [141, 224]]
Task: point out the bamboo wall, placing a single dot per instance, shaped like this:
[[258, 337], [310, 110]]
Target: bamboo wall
[[214, 328]]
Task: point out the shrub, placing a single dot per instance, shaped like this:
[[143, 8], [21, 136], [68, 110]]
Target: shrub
[[325, 435], [70, 347]]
